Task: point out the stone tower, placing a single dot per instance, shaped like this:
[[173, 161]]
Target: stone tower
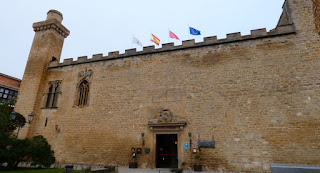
[[46, 47]]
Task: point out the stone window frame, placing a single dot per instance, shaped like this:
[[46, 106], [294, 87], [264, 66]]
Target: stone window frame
[[84, 76], [83, 93], [52, 94]]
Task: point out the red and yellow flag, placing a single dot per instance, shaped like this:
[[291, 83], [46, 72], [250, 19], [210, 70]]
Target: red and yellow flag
[[155, 39]]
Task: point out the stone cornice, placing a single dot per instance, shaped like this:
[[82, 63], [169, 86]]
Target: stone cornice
[[51, 24], [166, 122]]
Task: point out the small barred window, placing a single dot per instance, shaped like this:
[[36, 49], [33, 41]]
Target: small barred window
[[53, 94]]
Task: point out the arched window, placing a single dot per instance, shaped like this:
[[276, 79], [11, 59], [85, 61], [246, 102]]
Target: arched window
[[83, 88], [83, 91], [53, 94]]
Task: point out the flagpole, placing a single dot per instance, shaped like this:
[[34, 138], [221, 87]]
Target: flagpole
[[188, 32], [150, 37], [132, 41], [169, 34]]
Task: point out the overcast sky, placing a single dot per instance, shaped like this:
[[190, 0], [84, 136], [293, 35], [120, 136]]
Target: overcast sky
[[101, 26]]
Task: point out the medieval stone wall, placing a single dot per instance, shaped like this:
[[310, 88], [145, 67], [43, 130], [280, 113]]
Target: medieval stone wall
[[257, 98]]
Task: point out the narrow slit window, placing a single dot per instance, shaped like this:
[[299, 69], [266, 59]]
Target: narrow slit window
[[45, 124]]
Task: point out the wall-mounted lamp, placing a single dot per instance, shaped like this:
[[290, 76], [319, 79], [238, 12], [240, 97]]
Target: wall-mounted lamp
[[30, 117], [142, 134], [12, 115], [190, 142]]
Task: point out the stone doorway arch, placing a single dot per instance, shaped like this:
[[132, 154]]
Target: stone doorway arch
[[166, 124]]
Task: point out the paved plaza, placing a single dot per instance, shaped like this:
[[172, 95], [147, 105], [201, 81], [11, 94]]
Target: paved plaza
[[157, 170]]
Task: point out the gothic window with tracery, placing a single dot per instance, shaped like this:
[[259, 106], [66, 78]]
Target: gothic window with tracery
[[83, 91], [82, 97], [53, 94]]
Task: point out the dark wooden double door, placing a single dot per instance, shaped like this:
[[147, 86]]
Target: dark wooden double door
[[167, 151]]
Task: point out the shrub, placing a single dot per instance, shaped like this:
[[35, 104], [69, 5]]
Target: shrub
[[177, 170], [40, 152], [13, 150]]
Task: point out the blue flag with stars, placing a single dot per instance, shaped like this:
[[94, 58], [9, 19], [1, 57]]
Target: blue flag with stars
[[194, 31]]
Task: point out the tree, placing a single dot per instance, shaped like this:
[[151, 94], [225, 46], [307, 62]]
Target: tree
[[16, 151], [7, 126], [10, 148], [13, 150], [41, 152]]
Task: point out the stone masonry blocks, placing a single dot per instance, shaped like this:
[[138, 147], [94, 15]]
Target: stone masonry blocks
[[256, 96]]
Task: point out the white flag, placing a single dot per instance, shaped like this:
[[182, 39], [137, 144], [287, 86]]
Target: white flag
[[136, 41]]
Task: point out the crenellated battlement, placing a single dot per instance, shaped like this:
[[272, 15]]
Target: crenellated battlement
[[186, 44]]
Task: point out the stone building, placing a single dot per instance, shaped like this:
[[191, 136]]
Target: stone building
[[253, 99], [9, 87]]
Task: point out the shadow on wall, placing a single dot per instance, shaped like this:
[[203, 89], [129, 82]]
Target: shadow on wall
[[316, 8]]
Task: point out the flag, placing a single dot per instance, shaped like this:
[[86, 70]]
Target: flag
[[155, 39], [194, 31], [172, 35], [136, 41]]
